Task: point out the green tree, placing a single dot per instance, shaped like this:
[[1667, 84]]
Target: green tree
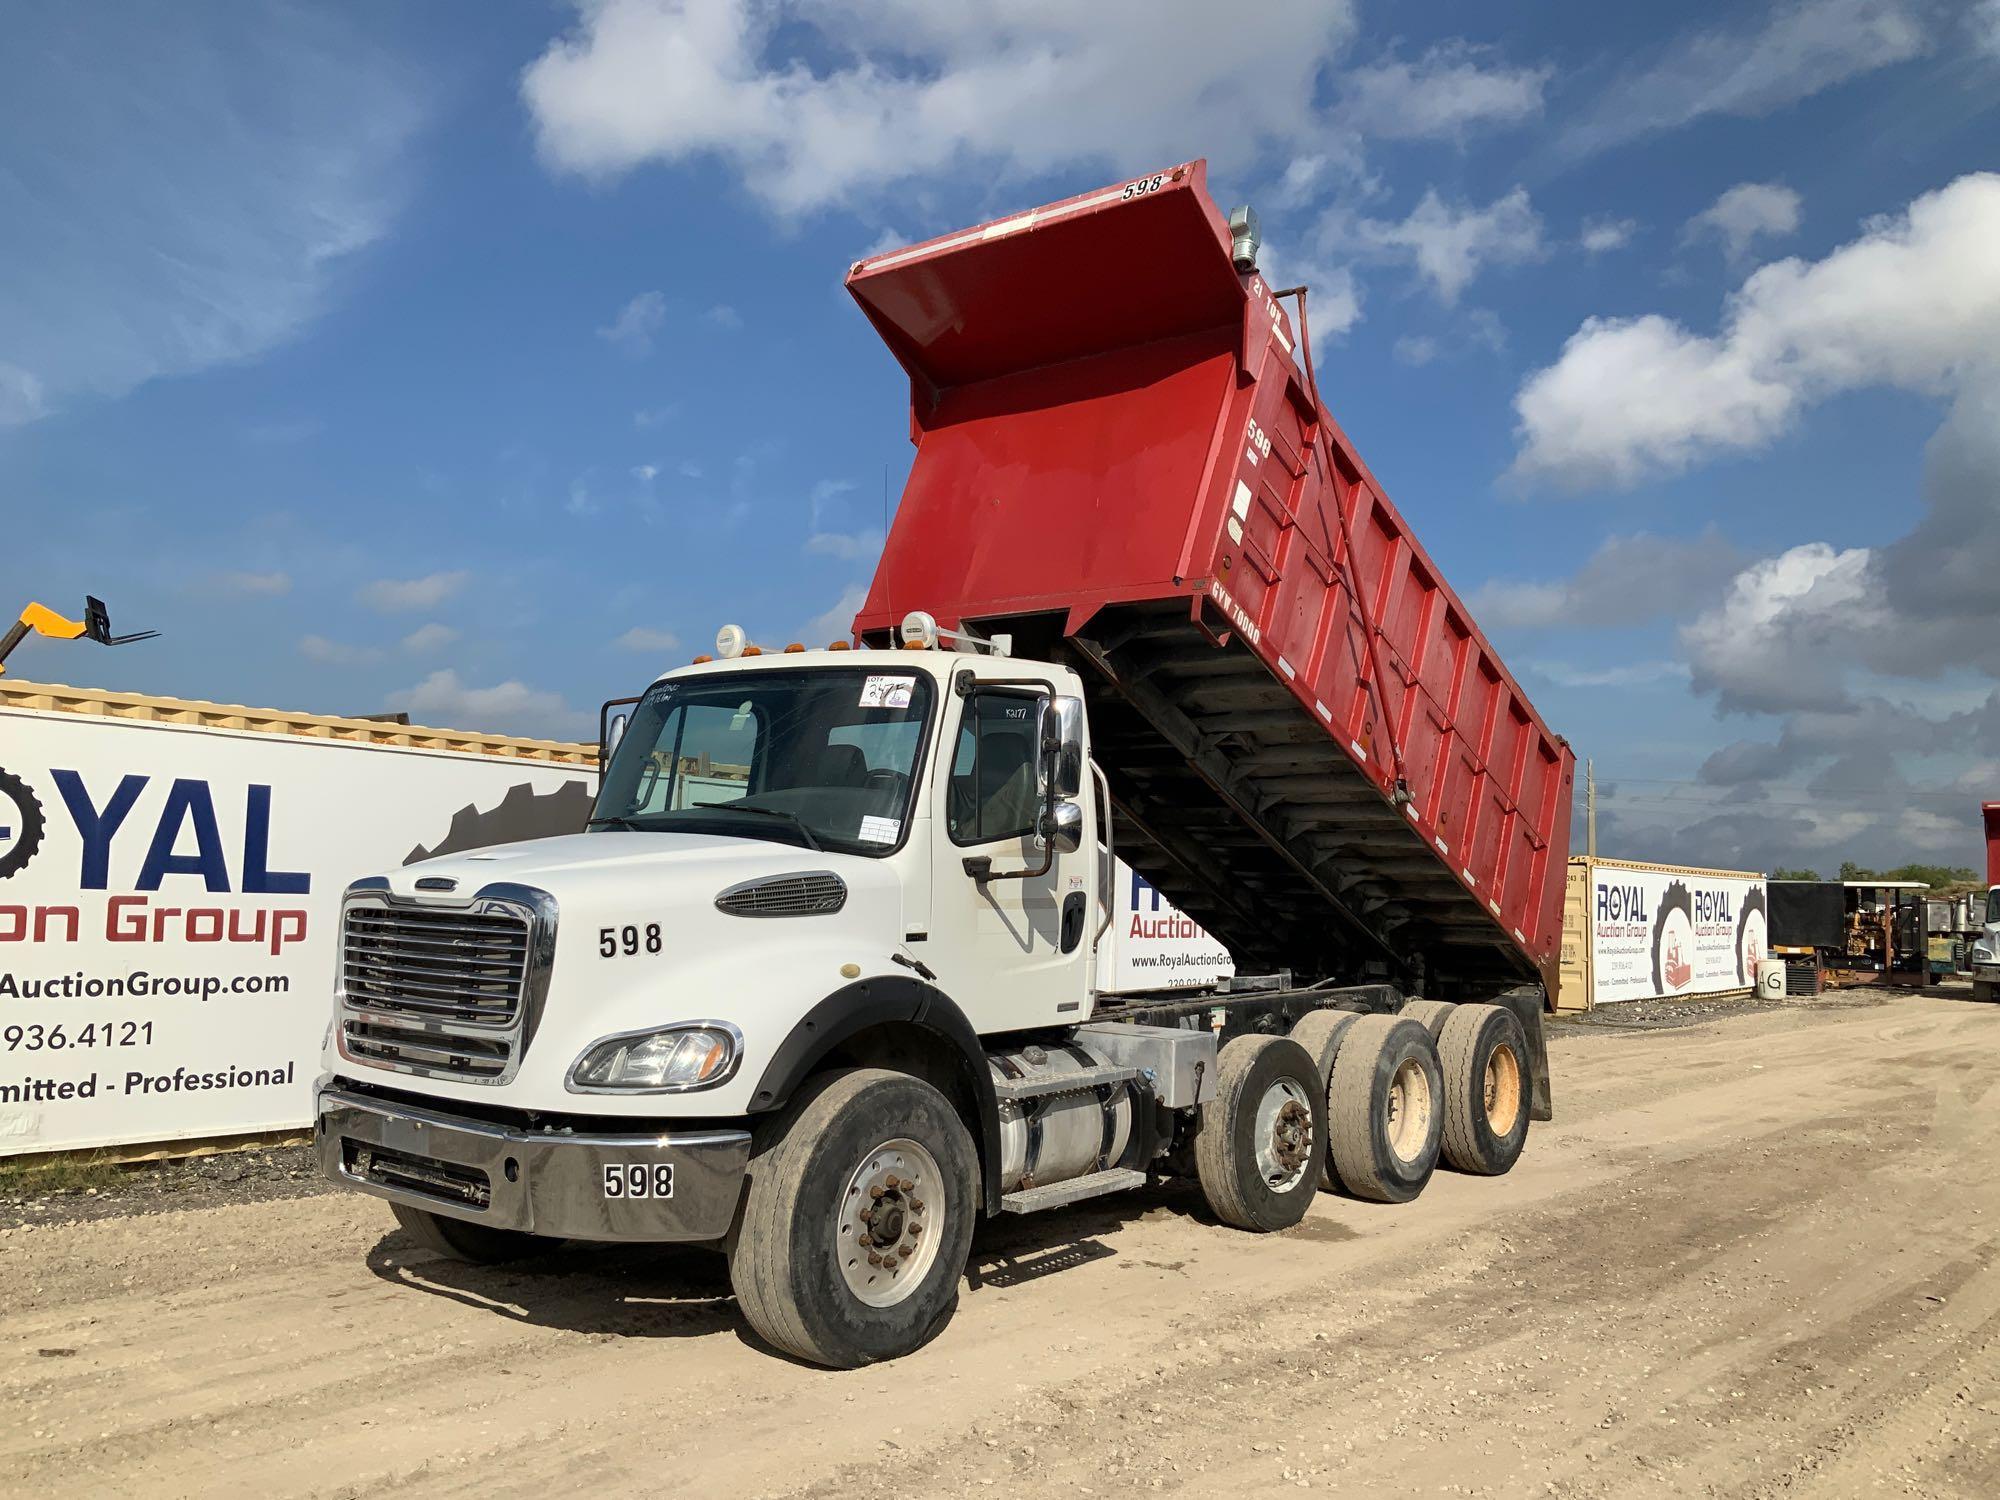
[[1795, 875]]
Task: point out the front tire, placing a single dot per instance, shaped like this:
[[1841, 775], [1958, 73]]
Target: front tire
[[1263, 1135], [475, 1244], [858, 1220]]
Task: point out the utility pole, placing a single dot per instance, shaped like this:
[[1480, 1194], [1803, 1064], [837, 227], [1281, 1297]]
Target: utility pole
[[1590, 801]]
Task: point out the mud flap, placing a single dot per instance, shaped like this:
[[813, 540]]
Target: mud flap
[[1526, 1001]]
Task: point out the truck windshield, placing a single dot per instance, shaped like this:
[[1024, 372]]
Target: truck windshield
[[823, 757], [1993, 906]]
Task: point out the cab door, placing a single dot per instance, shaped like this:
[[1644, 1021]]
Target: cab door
[[1011, 952]]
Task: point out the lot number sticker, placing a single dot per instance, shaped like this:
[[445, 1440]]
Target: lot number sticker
[[639, 1180], [887, 692]]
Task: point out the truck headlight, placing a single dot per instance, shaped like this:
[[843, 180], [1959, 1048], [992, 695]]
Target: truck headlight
[[1982, 953], [670, 1060]]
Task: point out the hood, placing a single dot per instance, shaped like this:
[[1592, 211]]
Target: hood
[[577, 866]]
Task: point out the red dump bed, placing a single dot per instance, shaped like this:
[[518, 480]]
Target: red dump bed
[[1312, 749], [1991, 812]]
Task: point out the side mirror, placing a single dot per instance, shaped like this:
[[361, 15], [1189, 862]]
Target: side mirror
[[1062, 826], [613, 717], [1062, 746]]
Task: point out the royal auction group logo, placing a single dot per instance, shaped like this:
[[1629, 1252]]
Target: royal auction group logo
[[21, 823]]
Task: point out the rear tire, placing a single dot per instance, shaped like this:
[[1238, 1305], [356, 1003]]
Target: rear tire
[[1429, 1014], [799, 1261], [1320, 1032], [1486, 1089], [474, 1244], [1387, 1116], [1262, 1140]]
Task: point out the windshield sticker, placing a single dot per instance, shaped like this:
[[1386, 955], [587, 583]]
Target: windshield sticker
[[887, 692], [881, 830]]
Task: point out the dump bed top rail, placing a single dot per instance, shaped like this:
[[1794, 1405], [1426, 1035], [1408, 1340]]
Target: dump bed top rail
[[1122, 459]]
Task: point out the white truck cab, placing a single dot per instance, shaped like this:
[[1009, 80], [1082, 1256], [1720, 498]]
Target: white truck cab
[[815, 986], [1985, 957]]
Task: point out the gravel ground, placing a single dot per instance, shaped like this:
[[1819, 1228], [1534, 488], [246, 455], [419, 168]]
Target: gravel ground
[[1756, 1257], [160, 1187]]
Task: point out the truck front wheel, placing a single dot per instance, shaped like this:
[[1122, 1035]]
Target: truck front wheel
[[858, 1220]]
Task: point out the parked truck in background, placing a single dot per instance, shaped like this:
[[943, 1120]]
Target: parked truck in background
[[818, 985], [1986, 951]]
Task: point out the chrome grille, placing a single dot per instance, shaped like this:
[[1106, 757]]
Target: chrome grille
[[442, 991], [449, 964], [811, 893]]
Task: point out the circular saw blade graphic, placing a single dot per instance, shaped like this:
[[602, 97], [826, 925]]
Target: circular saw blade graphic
[[521, 814]]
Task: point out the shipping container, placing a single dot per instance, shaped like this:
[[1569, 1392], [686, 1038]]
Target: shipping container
[[1638, 931], [1124, 464], [170, 882]]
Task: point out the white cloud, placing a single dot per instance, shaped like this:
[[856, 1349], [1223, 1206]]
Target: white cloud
[[656, 416], [1634, 674], [252, 585], [429, 637], [444, 701], [1603, 234], [20, 396], [824, 494], [1760, 650], [722, 315], [637, 321], [1914, 302], [199, 181], [1415, 349], [335, 653], [643, 638], [1627, 581], [837, 624], [1797, 50], [1451, 88], [1983, 24], [400, 595], [1450, 245], [909, 89], [1746, 213], [844, 545], [646, 473]]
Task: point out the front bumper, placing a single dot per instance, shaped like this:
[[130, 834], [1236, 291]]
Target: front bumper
[[545, 1184]]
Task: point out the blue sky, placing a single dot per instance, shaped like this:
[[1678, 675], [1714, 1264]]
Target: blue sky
[[480, 359]]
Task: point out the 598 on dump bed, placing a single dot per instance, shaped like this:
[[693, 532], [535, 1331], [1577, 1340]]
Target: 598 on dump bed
[[818, 984]]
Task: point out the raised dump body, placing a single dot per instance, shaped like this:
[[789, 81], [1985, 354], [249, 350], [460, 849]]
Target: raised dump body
[[1122, 461]]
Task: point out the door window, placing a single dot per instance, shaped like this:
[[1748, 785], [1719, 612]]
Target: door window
[[994, 792]]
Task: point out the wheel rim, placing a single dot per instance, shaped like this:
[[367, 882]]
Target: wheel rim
[[1408, 1108], [1503, 1089], [1284, 1134], [892, 1216]]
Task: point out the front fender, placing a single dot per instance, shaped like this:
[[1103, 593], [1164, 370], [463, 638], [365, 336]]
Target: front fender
[[888, 1000]]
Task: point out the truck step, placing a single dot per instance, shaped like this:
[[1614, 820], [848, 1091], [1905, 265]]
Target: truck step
[[1074, 1190], [1043, 1086]]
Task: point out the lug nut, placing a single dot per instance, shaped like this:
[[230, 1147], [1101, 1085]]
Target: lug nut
[[916, 1205], [907, 1251], [874, 1259], [915, 1230], [875, 1192]]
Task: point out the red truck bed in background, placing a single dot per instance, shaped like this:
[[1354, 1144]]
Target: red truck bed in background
[[1120, 459], [1990, 811]]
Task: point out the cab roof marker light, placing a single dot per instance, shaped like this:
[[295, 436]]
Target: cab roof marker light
[[731, 642]]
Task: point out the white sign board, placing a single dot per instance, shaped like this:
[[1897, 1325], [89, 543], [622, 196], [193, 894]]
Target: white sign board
[[1661, 933], [1151, 946], [168, 903]]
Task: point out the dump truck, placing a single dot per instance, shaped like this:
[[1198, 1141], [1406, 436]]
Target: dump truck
[[1985, 956], [818, 986]]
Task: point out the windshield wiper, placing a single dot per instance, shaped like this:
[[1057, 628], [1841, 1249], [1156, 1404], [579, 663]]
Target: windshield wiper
[[773, 812], [615, 821]]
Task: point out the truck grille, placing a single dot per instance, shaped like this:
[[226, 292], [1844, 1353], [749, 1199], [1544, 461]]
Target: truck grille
[[437, 991]]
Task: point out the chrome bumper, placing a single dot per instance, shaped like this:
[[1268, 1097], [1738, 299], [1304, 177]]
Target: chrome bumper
[[516, 1179]]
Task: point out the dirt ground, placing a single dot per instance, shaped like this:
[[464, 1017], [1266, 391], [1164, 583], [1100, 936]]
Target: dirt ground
[[1753, 1256]]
